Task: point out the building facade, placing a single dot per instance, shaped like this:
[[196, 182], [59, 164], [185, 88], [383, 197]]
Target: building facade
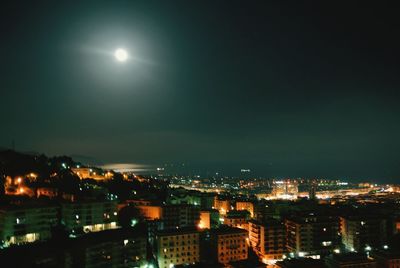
[[268, 239], [238, 219], [177, 246], [180, 216], [360, 232], [111, 248], [245, 205], [25, 224], [150, 212], [228, 244], [223, 206], [312, 235], [89, 216]]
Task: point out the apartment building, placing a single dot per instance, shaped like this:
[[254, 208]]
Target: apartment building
[[177, 246]]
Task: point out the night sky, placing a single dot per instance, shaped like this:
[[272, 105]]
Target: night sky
[[281, 88]]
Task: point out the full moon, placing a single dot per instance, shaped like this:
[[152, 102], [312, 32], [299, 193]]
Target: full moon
[[121, 55]]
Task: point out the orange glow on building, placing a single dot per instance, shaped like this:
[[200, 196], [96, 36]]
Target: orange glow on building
[[222, 206], [238, 222], [228, 244], [246, 206], [205, 220], [45, 191], [88, 173], [16, 186], [151, 212], [398, 226]]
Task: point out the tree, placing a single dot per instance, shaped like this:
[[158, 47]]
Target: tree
[[129, 216]]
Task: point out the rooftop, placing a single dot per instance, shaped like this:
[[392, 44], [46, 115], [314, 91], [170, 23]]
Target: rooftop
[[388, 254], [267, 222], [109, 235], [301, 263], [349, 258], [177, 231], [224, 229]]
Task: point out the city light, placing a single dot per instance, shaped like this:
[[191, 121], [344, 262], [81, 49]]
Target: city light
[[214, 135], [302, 254]]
